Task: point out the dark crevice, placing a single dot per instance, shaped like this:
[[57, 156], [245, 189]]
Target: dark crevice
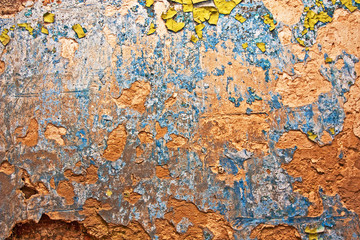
[[28, 191], [47, 228]]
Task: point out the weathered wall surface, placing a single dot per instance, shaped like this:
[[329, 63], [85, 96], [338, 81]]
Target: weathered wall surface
[[138, 119]]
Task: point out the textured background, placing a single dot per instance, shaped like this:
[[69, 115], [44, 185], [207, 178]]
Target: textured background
[[124, 135]]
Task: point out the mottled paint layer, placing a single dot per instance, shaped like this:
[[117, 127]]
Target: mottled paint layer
[[249, 132]]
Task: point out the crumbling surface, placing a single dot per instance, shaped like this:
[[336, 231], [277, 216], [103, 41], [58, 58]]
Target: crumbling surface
[[334, 168], [115, 143], [30, 138], [270, 232], [135, 96], [179, 120], [288, 12], [185, 221], [47, 228], [9, 7]]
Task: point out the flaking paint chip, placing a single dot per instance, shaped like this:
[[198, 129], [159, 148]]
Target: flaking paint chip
[[174, 26], [202, 14], [27, 26], [109, 193], [169, 14], [44, 30], [198, 30], [79, 30], [301, 42], [348, 4], [332, 131], [149, 3], [240, 18], [225, 7], [187, 6], [319, 229], [49, 17], [269, 20], [312, 18], [328, 60], [312, 136], [194, 39], [261, 46], [152, 29], [4, 37], [214, 17], [244, 45]]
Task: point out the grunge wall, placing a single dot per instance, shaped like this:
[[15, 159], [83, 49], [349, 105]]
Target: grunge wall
[[180, 119]]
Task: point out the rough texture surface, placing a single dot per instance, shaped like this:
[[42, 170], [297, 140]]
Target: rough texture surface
[[270, 232], [288, 12], [123, 120], [9, 7]]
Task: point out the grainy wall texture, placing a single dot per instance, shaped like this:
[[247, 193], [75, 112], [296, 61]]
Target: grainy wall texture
[[183, 119]]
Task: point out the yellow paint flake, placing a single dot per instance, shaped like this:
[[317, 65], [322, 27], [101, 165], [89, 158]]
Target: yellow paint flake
[[332, 131], [187, 6], [328, 60], [194, 39], [301, 42], [240, 18], [348, 4], [4, 37], [152, 29], [12, 28], [313, 232], [269, 20], [313, 236], [44, 30], [214, 16], [324, 17], [202, 14], [244, 45], [320, 3], [174, 26], [49, 17], [319, 229], [109, 193], [169, 14], [79, 30], [178, 1], [225, 7], [312, 136], [304, 31], [312, 18], [198, 30], [198, 1], [261, 46], [149, 3], [27, 26]]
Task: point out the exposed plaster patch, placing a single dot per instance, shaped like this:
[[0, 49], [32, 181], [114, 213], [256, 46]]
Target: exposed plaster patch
[[55, 133], [30, 139], [115, 143]]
